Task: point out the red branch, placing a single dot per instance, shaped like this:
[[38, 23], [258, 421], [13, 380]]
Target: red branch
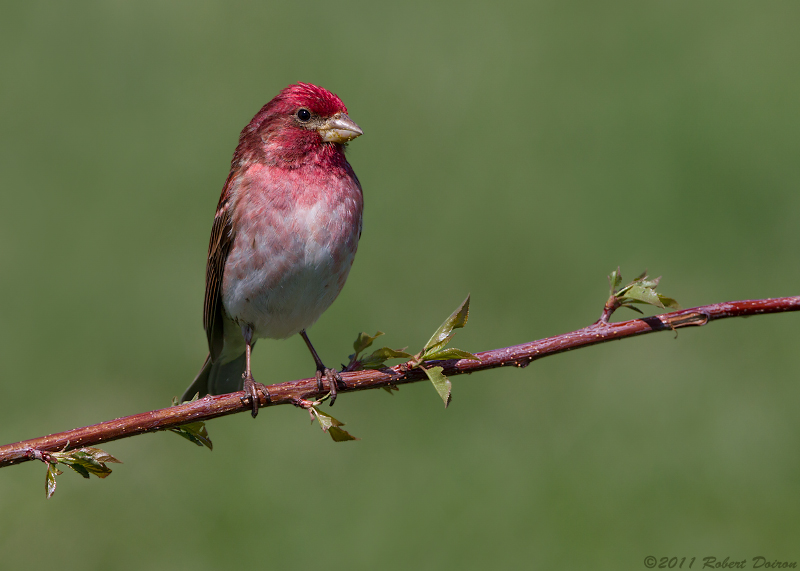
[[288, 393]]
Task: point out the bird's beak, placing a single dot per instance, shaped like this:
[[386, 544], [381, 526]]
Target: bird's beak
[[339, 129]]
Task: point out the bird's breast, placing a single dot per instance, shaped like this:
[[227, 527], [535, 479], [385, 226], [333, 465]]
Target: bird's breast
[[295, 237]]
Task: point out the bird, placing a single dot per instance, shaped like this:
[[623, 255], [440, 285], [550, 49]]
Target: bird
[[284, 237]]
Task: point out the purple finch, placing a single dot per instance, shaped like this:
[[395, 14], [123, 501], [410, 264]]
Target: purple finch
[[284, 237]]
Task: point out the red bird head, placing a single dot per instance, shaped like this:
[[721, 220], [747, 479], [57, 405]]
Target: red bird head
[[303, 123]]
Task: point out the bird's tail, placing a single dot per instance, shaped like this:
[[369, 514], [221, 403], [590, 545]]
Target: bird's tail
[[217, 378]]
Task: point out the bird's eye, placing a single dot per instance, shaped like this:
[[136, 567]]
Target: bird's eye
[[304, 115]]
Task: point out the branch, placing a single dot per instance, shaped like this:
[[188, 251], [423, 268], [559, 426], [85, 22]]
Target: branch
[[297, 392]]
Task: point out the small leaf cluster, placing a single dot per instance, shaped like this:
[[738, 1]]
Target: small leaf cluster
[[377, 358], [194, 431], [642, 290], [84, 461], [328, 424], [434, 350], [332, 426]]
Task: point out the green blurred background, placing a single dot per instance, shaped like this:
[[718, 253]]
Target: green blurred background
[[516, 151]]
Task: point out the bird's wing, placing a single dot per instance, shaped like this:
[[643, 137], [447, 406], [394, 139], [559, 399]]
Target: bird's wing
[[218, 249]]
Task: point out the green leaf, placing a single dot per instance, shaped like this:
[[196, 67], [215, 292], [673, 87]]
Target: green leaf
[[325, 420], [87, 461], [363, 341], [50, 479], [621, 292], [84, 461], [614, 280], [339, 435], [445, 332], [79, 469], [669, 302], [194, 432], [176, 401], [641, 294], [653, 284], [376, 359], [98, 455], [449, 353], [331, 426], [440, 383], [643, 290]]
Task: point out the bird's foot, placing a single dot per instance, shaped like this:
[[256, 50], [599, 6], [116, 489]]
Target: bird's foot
[[251, 389], [333, 377]]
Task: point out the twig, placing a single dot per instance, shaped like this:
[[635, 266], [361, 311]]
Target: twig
[[293, 392]]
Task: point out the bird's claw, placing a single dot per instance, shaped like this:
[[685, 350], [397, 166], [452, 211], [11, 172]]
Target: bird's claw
[[251, 389], [333, 377]]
